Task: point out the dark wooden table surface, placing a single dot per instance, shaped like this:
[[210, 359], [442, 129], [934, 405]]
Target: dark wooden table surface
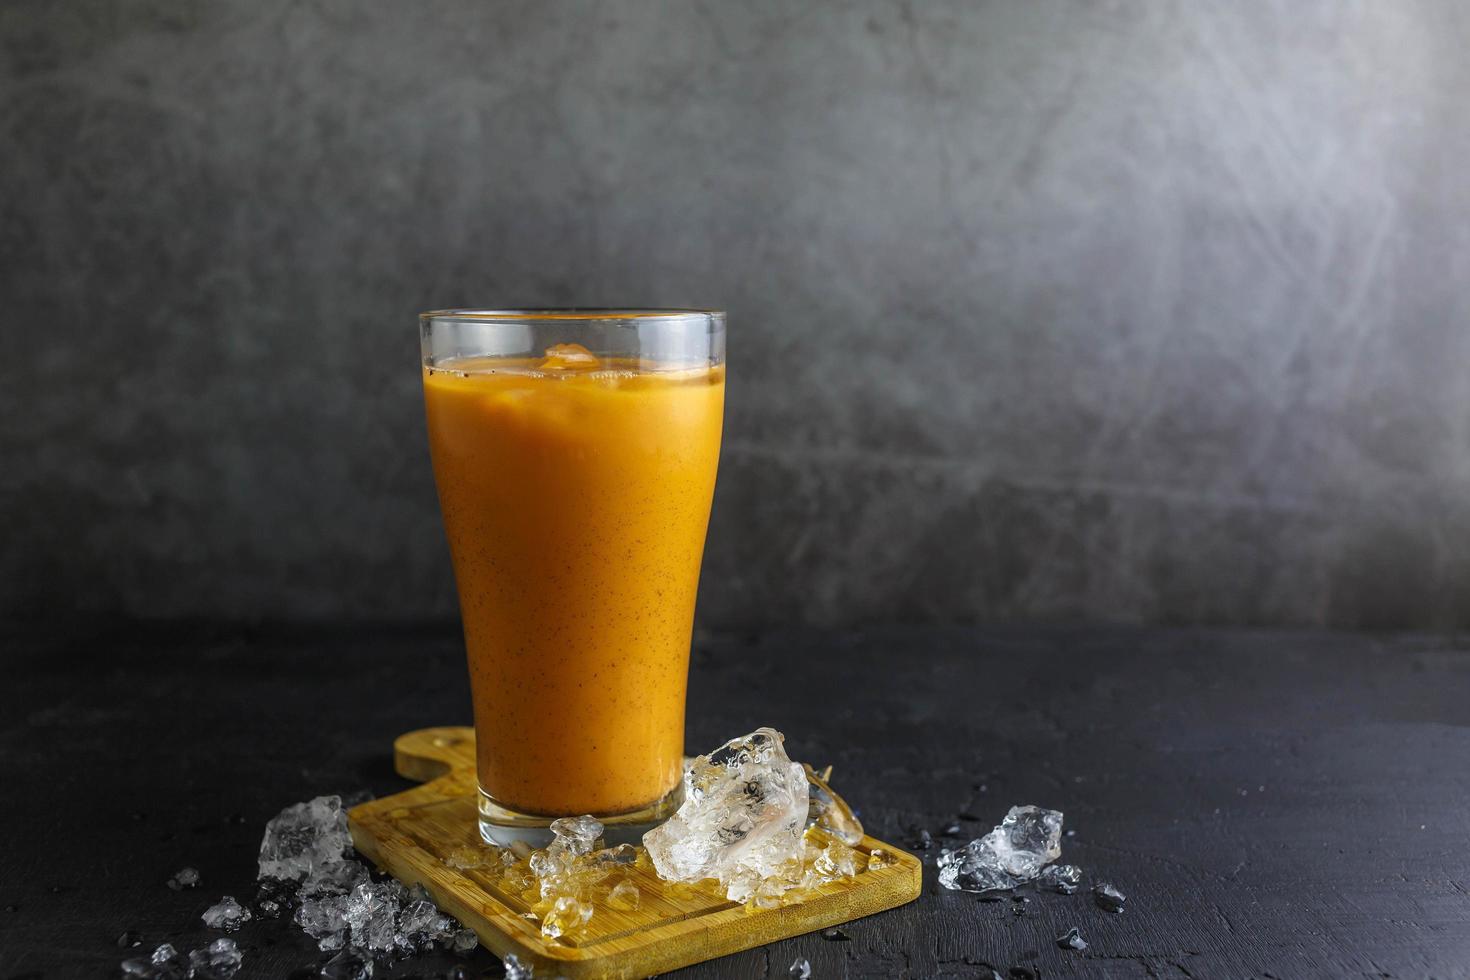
[[1273, 804]]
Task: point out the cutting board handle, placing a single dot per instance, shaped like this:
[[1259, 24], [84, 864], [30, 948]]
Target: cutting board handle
[[429, 753]]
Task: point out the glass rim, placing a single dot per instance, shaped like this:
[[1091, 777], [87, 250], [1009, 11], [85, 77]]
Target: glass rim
[[590, 313]]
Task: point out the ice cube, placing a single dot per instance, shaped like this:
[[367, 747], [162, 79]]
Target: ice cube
[[557, 872], [575, 835], [467, 857], [878, 859], [184, 878], [801, 969], [1107, 897], [1072, 939], [443, 929], [304, 837], [745, 807], [1062, 878], [130, 938], [464, 941], [418, 924], [514, 970], [624, 897], [164, 955], [974, 868], [551, 862], [371, 911], [1014, 852], [395, 890], [1027, 839], [227, 914], [164, 964], [566, 915], [350, 964], [167, 963], [325, 921], [835, 862], [421, 925], [569, 357], [830, 812], [220, 960]]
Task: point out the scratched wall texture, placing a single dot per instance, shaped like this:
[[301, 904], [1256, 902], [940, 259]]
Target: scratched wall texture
[[1129, 311]]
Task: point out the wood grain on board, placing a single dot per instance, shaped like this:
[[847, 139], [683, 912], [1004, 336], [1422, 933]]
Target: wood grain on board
[[410, 834]]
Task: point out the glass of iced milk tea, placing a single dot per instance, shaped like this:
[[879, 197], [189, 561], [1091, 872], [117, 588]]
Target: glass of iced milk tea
[[575, 455]]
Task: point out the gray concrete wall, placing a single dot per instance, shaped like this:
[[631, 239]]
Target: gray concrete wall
[[1039, 310]]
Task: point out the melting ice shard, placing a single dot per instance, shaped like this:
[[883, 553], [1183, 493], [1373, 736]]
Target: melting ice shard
[[304, 838], [227, 914], [1026, 841], [830, 812], [745, 808], [1062, 878], [1108, 897], [220, 960]]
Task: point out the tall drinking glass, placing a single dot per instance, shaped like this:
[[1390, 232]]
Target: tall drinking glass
[[575, 455]]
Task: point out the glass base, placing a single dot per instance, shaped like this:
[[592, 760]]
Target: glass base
[[502, 826]]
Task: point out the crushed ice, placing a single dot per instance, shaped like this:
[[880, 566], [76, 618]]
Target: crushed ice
[[306, 862], [761, 829], [514, 970], [1072, 939], [1015, 852], [220, 960], [742, 821], [227, 914], [1108, 897], [565, 881], [304, 839], [307, 868], [1062, 878], [757, 827], [1021, 850], [350, 964], [830, 812]]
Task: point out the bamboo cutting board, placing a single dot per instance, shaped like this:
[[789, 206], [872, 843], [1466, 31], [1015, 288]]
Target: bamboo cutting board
[[410, 834]]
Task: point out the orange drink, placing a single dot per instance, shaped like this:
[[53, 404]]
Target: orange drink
[[575, 489]]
